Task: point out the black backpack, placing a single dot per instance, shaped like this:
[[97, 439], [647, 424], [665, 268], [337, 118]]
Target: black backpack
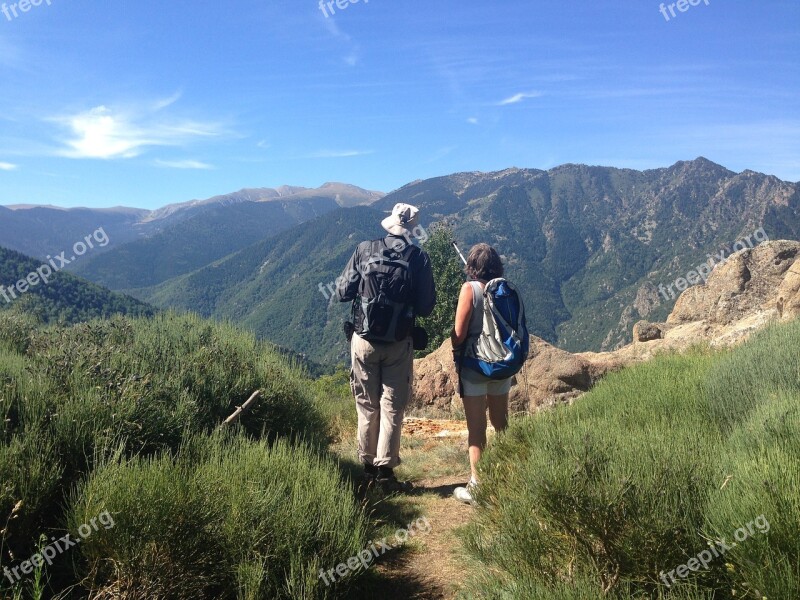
[[383, 310]]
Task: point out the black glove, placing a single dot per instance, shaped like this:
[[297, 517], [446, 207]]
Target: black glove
[[349, 328]]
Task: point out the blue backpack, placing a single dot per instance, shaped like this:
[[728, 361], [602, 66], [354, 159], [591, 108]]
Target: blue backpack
[[500, 350]]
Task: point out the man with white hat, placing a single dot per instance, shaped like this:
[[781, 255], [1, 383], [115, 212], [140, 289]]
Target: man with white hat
[[390, 282]]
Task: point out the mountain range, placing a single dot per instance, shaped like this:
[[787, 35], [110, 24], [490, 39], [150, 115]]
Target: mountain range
[[174, 239], [588, 246]]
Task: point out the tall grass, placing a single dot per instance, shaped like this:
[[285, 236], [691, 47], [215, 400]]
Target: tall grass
[[127, 391], [225, 518], [635, 478]]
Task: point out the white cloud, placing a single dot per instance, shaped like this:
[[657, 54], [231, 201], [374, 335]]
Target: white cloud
[[441, 153], [351, 57], [339, 153], [166, 102], [519, 98], [183, 164], [4, 166], [472, 121], [105, 134]]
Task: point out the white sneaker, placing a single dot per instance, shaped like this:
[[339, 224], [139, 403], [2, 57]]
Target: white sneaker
[[464, 494]]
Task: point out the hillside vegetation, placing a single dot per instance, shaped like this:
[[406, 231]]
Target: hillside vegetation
[[121, 417], [278, 288], [194, 242], [655, 469], [63, 298]]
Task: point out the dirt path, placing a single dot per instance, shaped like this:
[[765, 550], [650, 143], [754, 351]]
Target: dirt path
[[428, 566], [430, 570]]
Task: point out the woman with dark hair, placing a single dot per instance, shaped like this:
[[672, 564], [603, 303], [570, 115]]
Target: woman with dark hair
[[478, 392]]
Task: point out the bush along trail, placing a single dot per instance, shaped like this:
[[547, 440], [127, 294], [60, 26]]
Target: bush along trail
[[677, 478], [122, 418]]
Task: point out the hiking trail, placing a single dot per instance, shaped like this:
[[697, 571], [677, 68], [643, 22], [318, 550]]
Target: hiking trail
[[430, 569]]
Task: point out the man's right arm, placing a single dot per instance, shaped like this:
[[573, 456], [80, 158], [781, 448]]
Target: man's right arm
[[424, 287], [347, 284]]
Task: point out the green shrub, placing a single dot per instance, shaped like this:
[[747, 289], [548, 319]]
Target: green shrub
[[30, 479], [71, 396], [612, 487], [16, 330], [224, 519], [762, 484], [335, 401], [576, 589], [176, 372], [743, 380], [636, 478]]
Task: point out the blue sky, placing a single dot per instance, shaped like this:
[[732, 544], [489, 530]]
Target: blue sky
[[144, 103]]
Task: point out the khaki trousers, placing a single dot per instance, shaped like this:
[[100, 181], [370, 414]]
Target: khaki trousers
[[381, 380]]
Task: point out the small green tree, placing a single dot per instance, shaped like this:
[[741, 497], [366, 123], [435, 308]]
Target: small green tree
[[448, 275]]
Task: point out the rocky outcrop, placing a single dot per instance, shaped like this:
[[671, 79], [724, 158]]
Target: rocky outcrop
[[647, 332], [742, 295], [551, 376]]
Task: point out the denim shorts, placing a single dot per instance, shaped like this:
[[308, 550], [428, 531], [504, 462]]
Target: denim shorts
[[475, 384]]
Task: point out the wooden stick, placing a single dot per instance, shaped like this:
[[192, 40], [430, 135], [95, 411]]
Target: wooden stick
[[240, 410]]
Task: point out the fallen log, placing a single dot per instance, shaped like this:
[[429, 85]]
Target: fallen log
[[240, 410]]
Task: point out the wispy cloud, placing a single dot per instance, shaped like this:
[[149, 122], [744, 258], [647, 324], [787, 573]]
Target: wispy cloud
[[441, 153], [351, 57], [167, 102], [338, 153], [103, 133], [183, 164], [4, 166], [516, 98], [472, 121]]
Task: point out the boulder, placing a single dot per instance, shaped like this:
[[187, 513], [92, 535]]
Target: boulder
[[647, 332]]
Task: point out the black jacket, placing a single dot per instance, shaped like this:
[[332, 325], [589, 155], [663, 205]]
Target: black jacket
[[423, 289]]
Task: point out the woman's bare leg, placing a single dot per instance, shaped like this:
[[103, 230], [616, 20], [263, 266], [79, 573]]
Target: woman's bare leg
[[498, 411], [475, 411]]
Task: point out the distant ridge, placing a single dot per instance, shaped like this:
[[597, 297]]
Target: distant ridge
[[342, 193], [241, 218], [588, 246]]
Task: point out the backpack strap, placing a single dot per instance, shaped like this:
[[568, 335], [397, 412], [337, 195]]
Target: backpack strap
[[460, 367]]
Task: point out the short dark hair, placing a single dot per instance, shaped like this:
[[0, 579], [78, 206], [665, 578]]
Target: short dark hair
[[483, 263]]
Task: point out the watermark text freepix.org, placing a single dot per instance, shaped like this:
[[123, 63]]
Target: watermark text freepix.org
[[48, 269], [703, 270], [374, 550], [332, 5], [23, 6], [681, 5], [717, 549], [50, 552]]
